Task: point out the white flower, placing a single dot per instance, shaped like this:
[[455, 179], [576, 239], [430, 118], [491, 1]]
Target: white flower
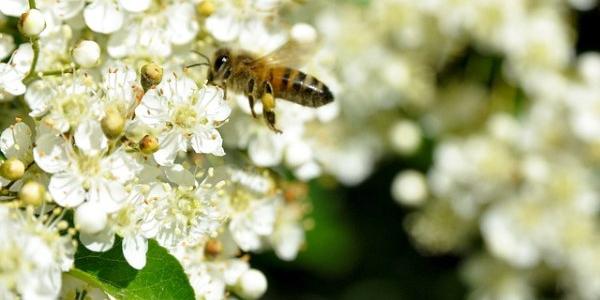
[[247, 23], [181, 216], [64, 103], [184, 116], [288, 235], [90, 173], [154, 34], [252, 221], [33, 254], [13, 72], [127, 223]]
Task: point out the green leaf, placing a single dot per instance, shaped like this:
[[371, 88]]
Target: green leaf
[[161, 278]]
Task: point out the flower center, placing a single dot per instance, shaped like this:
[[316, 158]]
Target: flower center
[[187, 207], [72, 108], [185, 117]]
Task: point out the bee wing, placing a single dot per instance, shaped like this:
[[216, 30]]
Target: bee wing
[[292, 54]]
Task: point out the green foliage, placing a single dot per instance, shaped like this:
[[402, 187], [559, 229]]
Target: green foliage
[[161, 278], [331, 247]]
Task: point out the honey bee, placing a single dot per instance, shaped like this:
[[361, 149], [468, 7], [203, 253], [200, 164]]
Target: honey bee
[[266, 78]]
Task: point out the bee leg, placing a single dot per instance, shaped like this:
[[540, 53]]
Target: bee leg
[[251, 103], [250, 94], [268, 101]]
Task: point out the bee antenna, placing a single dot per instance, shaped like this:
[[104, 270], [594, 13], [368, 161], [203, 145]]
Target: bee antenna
[[202, 55], [197, 65]]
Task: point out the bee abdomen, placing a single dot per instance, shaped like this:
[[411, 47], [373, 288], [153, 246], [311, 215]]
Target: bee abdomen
[[299, 87]]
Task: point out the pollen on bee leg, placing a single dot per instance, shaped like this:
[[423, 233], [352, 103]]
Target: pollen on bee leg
[[268, 101]]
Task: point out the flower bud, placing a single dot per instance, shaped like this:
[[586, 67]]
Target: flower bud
[[213, 248], [405, 137], [149, 144], [409, 188], [252, 284], [89, 218], [86, 54], [32, 193], [304, 33], [112, 124], [151, 75], [32, 23], [12, 169], [205, 8]]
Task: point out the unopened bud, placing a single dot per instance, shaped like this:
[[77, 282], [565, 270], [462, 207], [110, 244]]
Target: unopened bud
[[205, 8], [86, 54], [12, 169], [151, 75], [149, 144], [32, 23], [252, 284], [113, 124], [213, 248], [90, 218], [32, 193]]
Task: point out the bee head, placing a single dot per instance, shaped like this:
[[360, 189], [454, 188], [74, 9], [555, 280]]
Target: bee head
[[221, 66]]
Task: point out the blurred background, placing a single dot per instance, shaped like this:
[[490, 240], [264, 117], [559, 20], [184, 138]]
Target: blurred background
[[364, 243]]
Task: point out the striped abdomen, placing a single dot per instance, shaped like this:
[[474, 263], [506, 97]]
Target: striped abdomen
[[296, 86]]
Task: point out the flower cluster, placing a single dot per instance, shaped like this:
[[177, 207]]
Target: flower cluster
[[108, 137]]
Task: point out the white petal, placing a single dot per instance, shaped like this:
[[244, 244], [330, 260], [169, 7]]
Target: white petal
[[121, 166], [266, 150], [223, 25], [90, 139], [178, 89], [38, 97], [13, 8], [134, 250], [212, 103], [243, 235], [49, 153], [103, 16], [287, 241], [121, 42], [182, 24], [66, 9], [66, 189], [11, 80], [135, 5], [99, 242], [208, 141], [170, 144], [153, 110], [15, 142], [22, 59], [108, 194], [179, 175]]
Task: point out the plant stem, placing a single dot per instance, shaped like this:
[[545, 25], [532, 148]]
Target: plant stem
[[36, 53], [39, 75], [35, 45]]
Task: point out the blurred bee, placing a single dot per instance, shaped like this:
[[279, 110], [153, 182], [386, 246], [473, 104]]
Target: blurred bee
[[266, 78]]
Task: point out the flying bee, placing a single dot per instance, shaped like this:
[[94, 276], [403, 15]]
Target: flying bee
[[266, 78]]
